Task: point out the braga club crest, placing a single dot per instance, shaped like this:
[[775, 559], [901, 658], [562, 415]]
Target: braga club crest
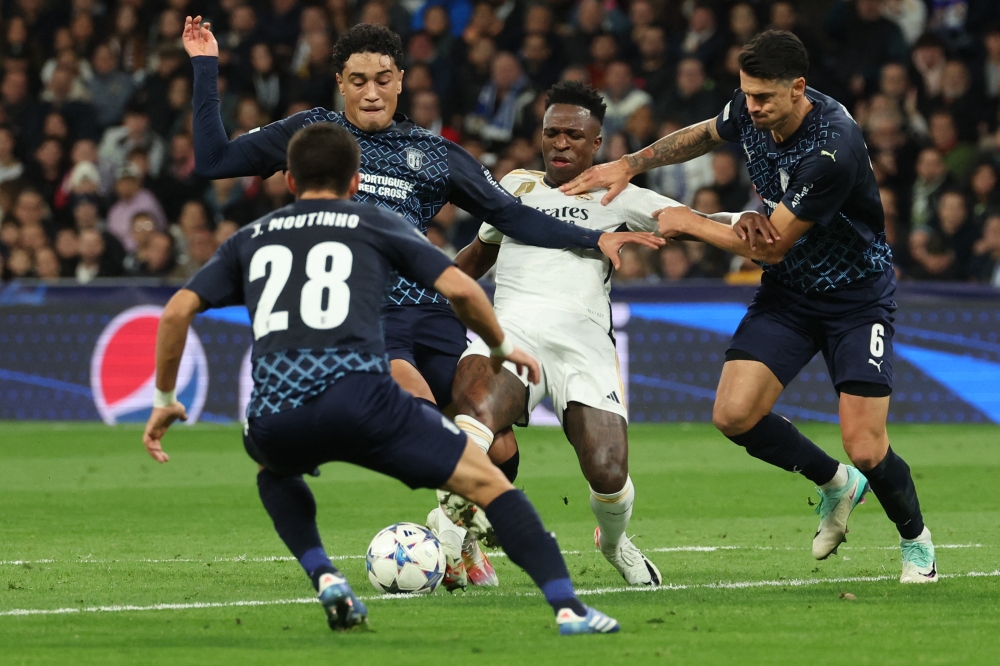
[[414, 159], [123, 368]]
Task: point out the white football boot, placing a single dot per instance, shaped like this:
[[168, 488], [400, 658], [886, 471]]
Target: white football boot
[[834, 508], [919, 563], [634, 567], [451, 537]]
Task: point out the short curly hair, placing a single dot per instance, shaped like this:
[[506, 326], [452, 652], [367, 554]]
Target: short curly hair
[[577, 94], [367, 38]]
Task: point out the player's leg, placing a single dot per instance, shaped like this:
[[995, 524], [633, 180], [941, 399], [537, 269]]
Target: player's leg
[[505, 454], [600, 439], [527, 543], [417, 445], [753, 377], [399, 323], [485, 402], [860, 360], [282, 441], [411, 381]]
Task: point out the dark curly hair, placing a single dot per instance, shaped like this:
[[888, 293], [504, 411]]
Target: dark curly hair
[[367, 38], [577, 94]]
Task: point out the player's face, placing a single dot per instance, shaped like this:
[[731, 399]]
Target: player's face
[[370, 84], [570, 139], [770, 103]]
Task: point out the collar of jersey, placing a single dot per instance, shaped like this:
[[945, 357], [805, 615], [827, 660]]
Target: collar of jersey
[[400, 123], [774, 147]]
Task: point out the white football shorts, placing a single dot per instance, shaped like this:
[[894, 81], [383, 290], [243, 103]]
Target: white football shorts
[[577, 357]]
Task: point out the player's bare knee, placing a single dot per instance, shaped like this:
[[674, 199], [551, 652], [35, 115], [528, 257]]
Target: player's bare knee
[[609, 481], [866, 448], [734, 418]]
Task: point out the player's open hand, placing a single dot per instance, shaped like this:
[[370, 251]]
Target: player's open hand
[[198, 38], [614, 176], [611, 243], [156, 428], [754, 227], [522, 360]]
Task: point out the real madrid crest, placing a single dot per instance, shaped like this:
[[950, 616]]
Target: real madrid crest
[[414, 159]]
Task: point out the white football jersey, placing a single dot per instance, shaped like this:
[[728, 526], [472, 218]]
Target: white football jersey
[[572, 279]]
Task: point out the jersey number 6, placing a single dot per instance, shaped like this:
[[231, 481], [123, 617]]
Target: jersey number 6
[[325, 297]]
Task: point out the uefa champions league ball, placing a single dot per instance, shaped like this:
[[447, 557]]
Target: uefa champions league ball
[[405, 558]]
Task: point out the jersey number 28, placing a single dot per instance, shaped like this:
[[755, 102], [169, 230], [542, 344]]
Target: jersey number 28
[[325, 297]]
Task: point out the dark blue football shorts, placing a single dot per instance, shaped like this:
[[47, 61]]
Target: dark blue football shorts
[[430, 338], [364, 419], [852, 328]]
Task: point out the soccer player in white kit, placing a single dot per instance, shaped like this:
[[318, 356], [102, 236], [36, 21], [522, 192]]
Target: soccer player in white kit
[[556, 304]]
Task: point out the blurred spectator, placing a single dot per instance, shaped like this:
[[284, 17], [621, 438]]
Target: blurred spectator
[[159, 259], [47, 266], [928, 59], [540, 63], [87, 216], [634, 267], [18, 264], [132, 199], [866, 40], [932, 179], [703, 40], [985, 265], [224, 230], [742, 23], [171, 64], [67, 247], [943, 250], [425, 112], [909, 15], [267, 85], [142, 231], [48, 167], [655, 72], [500, 102], [622, 98], [178, 182], [315, 81], [984, 193], [134, 132], [15, 102], [681, 181], [958, 155], [957, 97], [279, 26], [733, 191], [991, 70], [235, 43], [126, 40], [674, 262], [91, 264], [690, 100], [11, 168]]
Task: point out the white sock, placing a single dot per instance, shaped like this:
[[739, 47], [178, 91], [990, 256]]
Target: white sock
[[839, 479], [477, 432], [613, 512]]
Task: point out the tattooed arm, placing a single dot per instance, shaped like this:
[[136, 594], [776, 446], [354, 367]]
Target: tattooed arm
[[680, 146]]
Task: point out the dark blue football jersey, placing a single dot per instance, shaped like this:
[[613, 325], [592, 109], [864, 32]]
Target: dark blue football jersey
[[823, 174], [313, 276], [404, 168]]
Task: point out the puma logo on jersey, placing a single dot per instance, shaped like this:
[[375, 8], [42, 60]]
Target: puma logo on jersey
[[832, 156], [877, 365]]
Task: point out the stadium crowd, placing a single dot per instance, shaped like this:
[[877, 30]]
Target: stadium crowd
[[97, 171]]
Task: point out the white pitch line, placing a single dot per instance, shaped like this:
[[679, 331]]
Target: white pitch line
[[289, 558], [722, 585]]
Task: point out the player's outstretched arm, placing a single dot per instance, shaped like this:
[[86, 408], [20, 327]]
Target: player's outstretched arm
[[170, 338], [259, 153], [681, 220], [473, 307], [680, 146], [476, 258]]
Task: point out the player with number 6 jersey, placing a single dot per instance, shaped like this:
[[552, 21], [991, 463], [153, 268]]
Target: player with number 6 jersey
[[312, 276], [828, 287]]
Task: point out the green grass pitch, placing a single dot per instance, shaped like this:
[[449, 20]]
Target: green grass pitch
[[87, 520]]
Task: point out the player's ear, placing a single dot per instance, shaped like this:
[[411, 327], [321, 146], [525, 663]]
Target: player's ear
[[340, 84], [799, 86], [355, 185], [399, 83], [290, 183], [597, 143]]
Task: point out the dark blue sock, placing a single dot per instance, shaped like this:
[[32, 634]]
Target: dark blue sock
[[523, 537], [893, 486], [291, 506], [509, 466], [775, 440]]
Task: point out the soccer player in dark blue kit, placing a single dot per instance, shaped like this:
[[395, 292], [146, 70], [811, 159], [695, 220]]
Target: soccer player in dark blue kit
[[403, 168], [313, 275], [828, 286]]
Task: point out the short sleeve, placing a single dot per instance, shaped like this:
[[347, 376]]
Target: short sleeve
[[822, 181], [490, 234], [408, 251], [636, 206], [728, 122], [220, 281]]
